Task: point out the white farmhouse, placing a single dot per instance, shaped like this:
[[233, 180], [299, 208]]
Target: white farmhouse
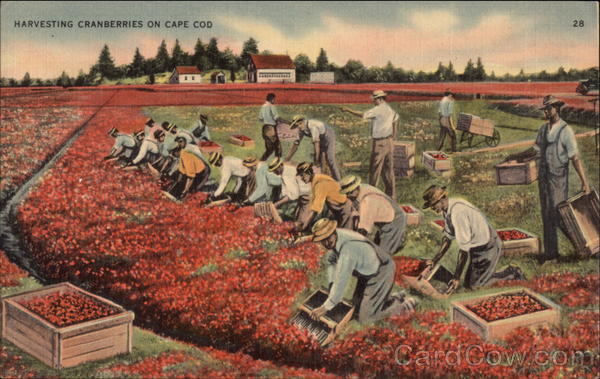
[[185, 75], [271, 69]]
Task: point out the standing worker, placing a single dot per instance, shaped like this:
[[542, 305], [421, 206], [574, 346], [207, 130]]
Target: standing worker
[[323, 139], [384, 124], [376, 210], [555, 146], [270, 118], [445, 112], [352, 254], [477, 241], [200, 131]]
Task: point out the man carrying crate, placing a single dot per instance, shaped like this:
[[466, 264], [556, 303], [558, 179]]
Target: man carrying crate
[[477, 240], [555, 146], [352, 254]]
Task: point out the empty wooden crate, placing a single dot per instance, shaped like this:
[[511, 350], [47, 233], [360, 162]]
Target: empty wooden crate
[[73, 343], [515, 173], [474, 124], [463, 312], [581, 218]]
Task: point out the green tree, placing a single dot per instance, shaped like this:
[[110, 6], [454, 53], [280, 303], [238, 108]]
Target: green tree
[[322, 61], [161, 61], [136, 68], [177, 56], [450, 73], [249, 47], [105, 67], [479, 70], [26, 81], [12, 82], [388, 72], [469, 73], [228, 60], [521, 76], [81, 79], [439, 74], [64, 80], [199, 57], [303, 67], [213, 54], [561, 74], [353, 71]]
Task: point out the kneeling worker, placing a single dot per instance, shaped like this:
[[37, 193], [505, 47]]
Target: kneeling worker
[[376, 210], [353, 254], [476, 239]]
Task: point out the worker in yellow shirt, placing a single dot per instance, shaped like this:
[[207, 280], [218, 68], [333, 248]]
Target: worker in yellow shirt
[[193, 174], [325, 191]]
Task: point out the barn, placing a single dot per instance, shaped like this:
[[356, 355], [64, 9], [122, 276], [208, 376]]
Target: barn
[[218, 77], [271, 69], [185, 75]]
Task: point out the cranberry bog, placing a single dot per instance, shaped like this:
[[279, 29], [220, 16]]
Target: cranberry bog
[[221, 277]]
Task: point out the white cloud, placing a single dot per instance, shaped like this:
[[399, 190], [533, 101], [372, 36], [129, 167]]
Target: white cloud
[[436, 20]]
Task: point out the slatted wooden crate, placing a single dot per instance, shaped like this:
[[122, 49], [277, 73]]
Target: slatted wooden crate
[[267, 210], [489, 330], [414, 216], [474, 124], [208, 147], [438, 165], [404, 149], [515, 173], [435, 285], [529, 245], [66, 346], [581, 218], [241, 140]]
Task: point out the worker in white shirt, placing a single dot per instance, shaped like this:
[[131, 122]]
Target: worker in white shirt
[[149, 150], [270, 118], [375, 211], [323, 139], [384, 124], [231, 168], [446, 111], [200, 131], [126, 145], [477, 240], [352, 254], [268, 185]]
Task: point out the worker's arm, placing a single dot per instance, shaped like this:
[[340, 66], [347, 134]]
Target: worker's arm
[[225, 175], [303, 225], [293, 150], [585, 186], [188, 185], [430, 263], [317, 145], [352, 111], [142, 153], [281, 201], [460, 266]]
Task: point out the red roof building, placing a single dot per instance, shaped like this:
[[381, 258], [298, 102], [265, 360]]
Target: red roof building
[[271, 69], [186, 75]]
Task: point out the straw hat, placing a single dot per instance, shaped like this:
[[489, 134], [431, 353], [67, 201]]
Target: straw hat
[[113, 131], [323, 229], [349, 184], [550, 100], [275, 164], [303, 168], [250, 161], [377, 94], [433, 194], [138, 133], [171, 127], [149, 122], [214, 157], [296, 120]]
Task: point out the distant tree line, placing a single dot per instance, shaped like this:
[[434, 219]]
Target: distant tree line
[[208, 56]]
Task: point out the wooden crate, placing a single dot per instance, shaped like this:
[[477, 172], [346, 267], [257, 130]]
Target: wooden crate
[[474, 124], [404, 163], [437, 226], [434, 285], [581, 218], [403, 172], [241, 140], [267, 210], [514, 173], [438, 165], [71, 345], [207, 147], [404, 149], [530, 245], [489, 330], [415, 217]]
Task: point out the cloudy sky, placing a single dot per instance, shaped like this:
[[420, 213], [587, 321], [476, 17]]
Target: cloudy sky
[[507, 36]]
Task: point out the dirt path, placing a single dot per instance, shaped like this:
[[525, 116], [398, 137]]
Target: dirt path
[[517, 144]]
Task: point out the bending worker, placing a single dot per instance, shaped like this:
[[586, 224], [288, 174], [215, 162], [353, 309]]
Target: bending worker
[[231, 168], [126, 145], [376, 209], [193, 173], [323, 139], [477, 240], [267, 184], [353, 254]]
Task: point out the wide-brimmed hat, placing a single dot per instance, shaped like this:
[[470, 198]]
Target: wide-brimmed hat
[[138, 133], [323, 229], [250, 161], [550, 100], [303, 167], [433, 194], [349, 184], [377, 94], [275, 164], [113, 131], [149, 122], [214, 157], [180, 138], [159, 133], [296, 121], [171, 127]]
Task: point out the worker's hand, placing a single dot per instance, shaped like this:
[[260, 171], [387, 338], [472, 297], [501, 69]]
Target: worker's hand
[[246, 203], [427, 270], [452, 286], [585, 188], [298, 227], [317, 313], [343, 109]]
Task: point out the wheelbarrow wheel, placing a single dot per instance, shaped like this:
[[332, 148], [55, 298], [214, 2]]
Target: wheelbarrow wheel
[[494, 140]]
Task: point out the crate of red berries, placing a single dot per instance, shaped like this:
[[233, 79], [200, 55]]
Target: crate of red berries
[[414, 216], [518, 241], [241, 140], [208, 147], [493, 316], [438, 224], [437, 161], [64, 326]]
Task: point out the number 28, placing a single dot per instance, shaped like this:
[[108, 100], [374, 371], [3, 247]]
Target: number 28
[[578, 24]]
